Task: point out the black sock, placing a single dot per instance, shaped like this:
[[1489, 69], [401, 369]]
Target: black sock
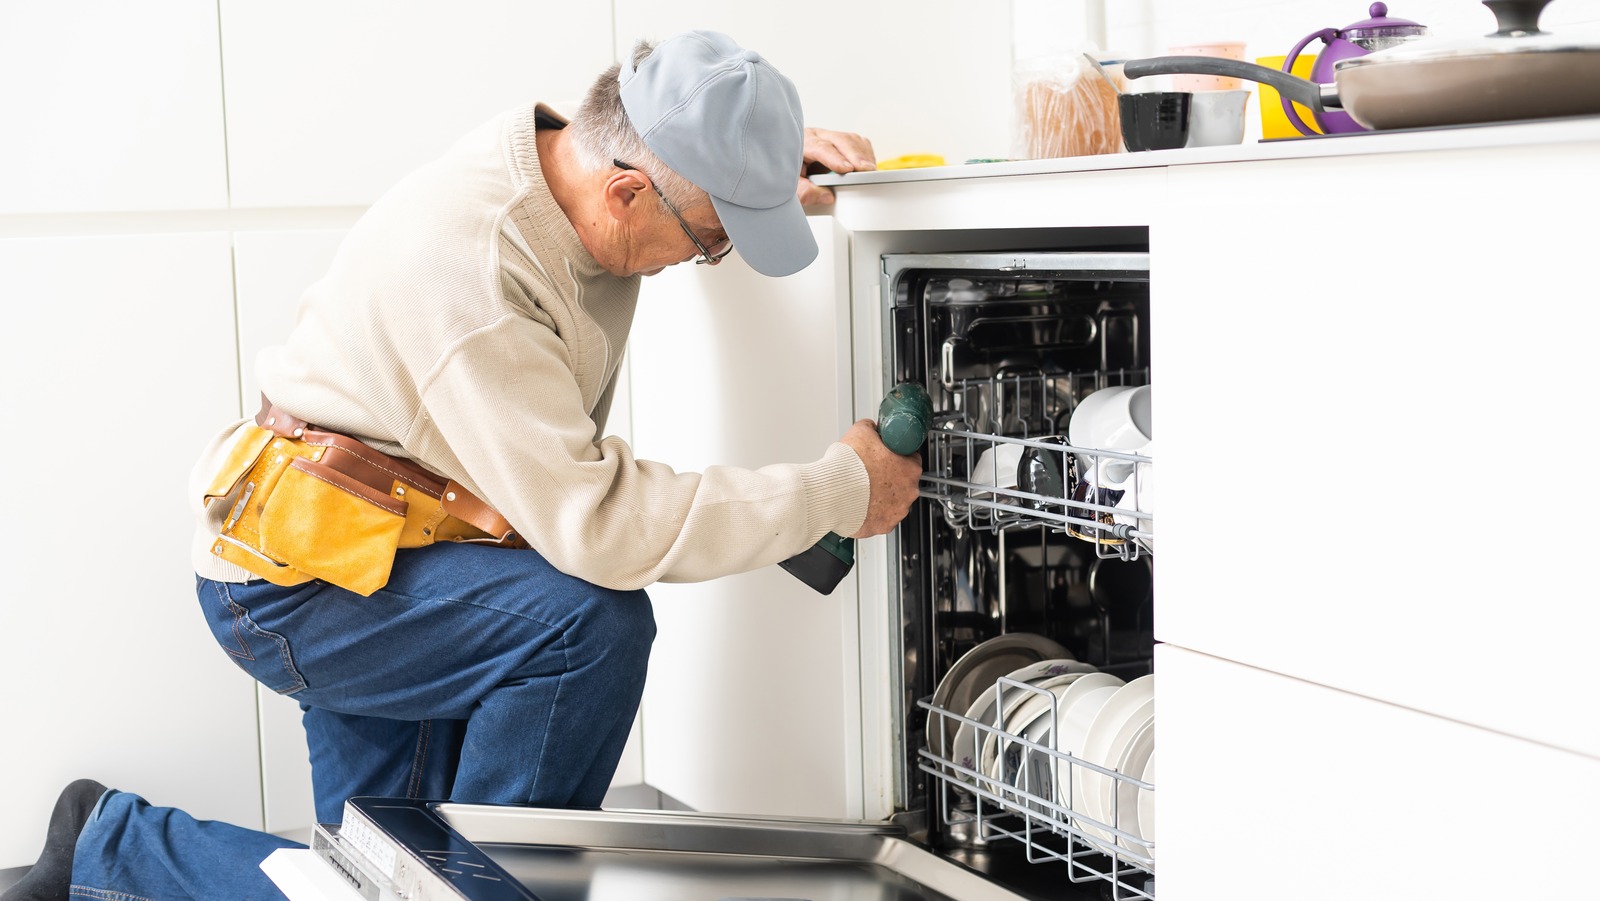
[[51, 877]]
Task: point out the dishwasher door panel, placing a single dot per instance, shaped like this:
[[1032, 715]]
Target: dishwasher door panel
[[395, 848]]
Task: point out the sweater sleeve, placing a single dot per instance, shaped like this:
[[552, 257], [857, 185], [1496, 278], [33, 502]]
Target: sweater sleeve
[[505, 409]]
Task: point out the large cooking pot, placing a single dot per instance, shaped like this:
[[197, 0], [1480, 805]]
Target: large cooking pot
[[1519, 72]]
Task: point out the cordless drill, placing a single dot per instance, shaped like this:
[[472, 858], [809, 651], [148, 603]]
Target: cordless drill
[[903, 420]]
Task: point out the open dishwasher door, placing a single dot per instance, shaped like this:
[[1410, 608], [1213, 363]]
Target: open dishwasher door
[[435, 850]]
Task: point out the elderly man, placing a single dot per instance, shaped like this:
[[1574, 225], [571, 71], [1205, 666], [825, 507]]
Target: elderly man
[[425, 536]]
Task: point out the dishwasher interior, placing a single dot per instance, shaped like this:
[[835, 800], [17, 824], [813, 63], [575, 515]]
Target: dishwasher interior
[[1015, 556]]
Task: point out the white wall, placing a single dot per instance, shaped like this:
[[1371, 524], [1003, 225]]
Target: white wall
[[171, 177]]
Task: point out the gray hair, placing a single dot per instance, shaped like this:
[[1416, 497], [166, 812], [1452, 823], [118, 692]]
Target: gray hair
[[601, 133]]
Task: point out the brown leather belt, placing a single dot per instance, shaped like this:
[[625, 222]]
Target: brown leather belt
[[383, 473], [305, 503]]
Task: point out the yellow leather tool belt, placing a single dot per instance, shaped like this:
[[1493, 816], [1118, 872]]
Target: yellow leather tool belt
[[306, 504]]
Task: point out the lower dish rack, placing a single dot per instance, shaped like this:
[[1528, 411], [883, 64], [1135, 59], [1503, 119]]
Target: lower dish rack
[[999, 785]]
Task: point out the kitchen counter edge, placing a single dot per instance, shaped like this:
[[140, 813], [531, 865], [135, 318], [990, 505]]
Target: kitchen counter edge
[[1546, 131]]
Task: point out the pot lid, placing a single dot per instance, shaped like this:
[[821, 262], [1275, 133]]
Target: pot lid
[[1518, 33], [1381, 24]]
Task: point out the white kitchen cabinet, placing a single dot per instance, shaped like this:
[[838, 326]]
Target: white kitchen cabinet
[[109, 106], [749, 705], [1370, 363], [110, 670], [330, 104], [1279, 788], [1369, 376], [936, 79]]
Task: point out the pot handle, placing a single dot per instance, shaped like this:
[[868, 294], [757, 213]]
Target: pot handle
[[1326, 35], [1306, 93]]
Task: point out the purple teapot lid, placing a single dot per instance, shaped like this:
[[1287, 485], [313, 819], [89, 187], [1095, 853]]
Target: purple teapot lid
[[1381, 23]]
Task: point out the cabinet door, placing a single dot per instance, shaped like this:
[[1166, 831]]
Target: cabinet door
[[934, 79], [748, 707], [330, 103], [108, 667], [1270, 788], [1372, 377], [107, 105]]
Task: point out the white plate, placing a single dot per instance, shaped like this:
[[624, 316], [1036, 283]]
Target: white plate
[[965, 747], [1021, 707], [1038, 767], [975, 672], [1147, 804], [1029, 718], [1074, 714], [1114, 725], [1032, 674], [969, 739], [1131, 762]]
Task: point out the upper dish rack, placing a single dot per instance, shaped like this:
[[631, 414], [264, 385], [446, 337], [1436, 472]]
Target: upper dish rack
[[997, 459]]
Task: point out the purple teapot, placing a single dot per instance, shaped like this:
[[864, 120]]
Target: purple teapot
[[1359, 39]]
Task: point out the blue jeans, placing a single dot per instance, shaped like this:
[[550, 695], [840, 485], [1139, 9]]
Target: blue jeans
[[476, 674], [131, 851]]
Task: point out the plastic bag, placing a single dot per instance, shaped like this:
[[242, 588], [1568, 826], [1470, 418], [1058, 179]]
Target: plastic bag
[[1065, 108]]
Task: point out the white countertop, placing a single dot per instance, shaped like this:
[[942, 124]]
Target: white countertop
[[1547, 131]]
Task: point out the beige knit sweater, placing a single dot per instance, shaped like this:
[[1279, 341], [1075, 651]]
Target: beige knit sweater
[[464, 326]]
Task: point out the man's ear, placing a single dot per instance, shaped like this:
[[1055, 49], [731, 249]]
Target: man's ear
[[625, 193]]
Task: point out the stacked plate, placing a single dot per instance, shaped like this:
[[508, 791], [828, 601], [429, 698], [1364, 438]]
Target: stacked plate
[[1067, 706], [970, 683], [1120, 736]]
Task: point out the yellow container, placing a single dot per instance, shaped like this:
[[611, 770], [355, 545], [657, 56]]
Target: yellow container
[[1274, 124]]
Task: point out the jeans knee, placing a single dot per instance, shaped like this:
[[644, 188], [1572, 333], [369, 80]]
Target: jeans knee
[[620, 627]]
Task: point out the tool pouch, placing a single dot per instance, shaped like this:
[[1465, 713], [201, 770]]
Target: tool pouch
[[308, 504]]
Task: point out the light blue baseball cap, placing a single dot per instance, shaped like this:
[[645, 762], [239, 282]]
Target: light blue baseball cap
[[723, 118]]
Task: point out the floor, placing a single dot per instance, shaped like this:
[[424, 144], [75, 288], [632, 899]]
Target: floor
[[620, 797]]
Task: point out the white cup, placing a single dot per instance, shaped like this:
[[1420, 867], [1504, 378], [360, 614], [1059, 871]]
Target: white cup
[[1216, 117], [996, 467], [1114, 419]]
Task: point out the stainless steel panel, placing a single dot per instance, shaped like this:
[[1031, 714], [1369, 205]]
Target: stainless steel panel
[[468, 851]]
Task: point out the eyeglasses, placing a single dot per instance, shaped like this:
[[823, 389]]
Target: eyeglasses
[[707, 258]]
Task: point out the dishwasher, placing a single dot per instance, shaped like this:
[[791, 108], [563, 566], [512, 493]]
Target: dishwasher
[[1012, 557], [993, 574]]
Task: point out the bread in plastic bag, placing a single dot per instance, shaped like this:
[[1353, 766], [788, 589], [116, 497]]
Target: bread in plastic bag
[[1064, 108]]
